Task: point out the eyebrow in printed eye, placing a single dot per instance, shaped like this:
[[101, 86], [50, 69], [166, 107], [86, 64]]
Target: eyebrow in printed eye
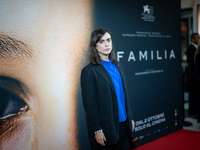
[[13, 48]]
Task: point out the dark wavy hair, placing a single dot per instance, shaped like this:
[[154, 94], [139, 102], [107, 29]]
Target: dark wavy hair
[[94, 56]]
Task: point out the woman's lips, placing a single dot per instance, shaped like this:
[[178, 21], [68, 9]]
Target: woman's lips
[[107, 49]]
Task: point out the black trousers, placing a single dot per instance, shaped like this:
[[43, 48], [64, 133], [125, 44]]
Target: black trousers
[[122, 144], [193, 97], [198, 87]]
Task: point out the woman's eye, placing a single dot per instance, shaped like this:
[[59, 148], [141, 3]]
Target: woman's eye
[[101, 42], [10, 104]]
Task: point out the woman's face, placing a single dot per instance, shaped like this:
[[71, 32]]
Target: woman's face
[[104, 46], [42, 44]]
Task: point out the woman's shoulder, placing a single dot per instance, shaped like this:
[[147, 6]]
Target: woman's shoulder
[[89, 67]]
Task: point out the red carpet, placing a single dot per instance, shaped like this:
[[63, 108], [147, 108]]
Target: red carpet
[[179, 140]]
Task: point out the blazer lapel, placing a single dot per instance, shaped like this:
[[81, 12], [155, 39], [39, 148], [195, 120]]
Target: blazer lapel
[[103, 72]]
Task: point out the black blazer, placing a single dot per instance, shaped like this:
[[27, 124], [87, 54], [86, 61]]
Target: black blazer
[[100, 103], [197, 69], [190, 59]]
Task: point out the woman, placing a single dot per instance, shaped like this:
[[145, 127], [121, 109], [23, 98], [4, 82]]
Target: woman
[[197, 77], [104, 95]]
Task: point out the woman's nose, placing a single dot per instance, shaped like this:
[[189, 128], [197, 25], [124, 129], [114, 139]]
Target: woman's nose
[[106, 43]]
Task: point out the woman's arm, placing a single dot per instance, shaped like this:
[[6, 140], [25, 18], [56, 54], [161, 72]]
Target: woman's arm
[[89, 97]]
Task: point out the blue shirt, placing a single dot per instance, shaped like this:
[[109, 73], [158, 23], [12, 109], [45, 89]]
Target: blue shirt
[[119, 88]]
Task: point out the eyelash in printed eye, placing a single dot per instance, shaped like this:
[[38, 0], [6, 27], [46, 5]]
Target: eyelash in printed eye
[[10, 104]]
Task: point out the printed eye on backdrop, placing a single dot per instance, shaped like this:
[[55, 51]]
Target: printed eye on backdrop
[[12, 97], [10, 104], [15, 119]]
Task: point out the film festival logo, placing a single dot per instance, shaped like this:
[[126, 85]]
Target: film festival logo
[[147, 14]]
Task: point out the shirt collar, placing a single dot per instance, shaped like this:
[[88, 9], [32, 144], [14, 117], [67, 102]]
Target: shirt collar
[[103, 61], [195, 45]]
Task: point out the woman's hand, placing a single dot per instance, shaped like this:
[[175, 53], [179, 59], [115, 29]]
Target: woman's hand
[[133, 125], [100, 138]]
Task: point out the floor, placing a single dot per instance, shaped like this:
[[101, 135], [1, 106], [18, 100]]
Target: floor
[[195, 126]]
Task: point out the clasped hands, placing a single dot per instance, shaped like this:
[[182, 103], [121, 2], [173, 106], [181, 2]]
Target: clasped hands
[[101, 139]]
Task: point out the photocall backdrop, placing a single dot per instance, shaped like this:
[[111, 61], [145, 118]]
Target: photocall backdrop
[[43, 47], [146, 38]]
